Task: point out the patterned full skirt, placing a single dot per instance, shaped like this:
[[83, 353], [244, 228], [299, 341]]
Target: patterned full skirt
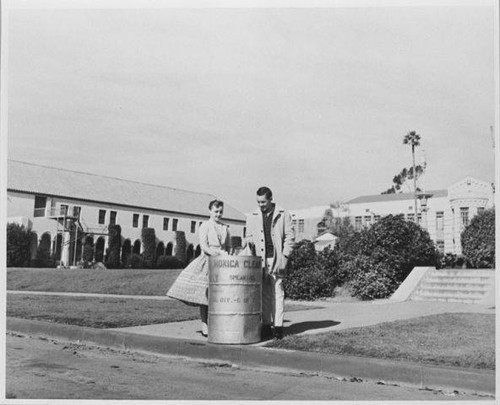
[[191, 286]]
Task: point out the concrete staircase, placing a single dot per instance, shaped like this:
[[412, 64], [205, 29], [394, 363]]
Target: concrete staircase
[[457, 285]]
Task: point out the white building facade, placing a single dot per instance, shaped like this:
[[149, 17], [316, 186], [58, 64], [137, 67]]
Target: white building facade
[[67, 209], [443, 213]]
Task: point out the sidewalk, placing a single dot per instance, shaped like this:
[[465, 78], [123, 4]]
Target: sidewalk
[[332, 317], [184, 339]]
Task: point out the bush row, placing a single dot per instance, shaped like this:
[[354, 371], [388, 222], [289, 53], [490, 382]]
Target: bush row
[[19, 240], [372, 262]]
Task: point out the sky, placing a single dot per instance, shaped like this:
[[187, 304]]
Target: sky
[[312, 102]]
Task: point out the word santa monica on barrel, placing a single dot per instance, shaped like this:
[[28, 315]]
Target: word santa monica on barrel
[[234, 263]]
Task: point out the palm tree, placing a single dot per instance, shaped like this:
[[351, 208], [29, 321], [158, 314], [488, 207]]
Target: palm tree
[[413, 139]]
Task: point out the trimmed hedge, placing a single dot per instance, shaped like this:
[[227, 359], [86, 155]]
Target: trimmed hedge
[[135, 261], [114, 243], [180, 247], [88, 253], [478, 241], [44, 258], [18, 245], [149, 241], [168, 262]]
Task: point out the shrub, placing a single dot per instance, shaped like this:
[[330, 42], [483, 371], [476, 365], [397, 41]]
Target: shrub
[[18, 245], [149, 241], [311, 275], [478, 241], [135, 261], [114, 242], [168, 262], [180, 246], [44, 258], [330, 260], [450, 261], [99, 254], [391, 248], [88, 253], [372, 284], [398, 244], [369, 280], [302, 255]]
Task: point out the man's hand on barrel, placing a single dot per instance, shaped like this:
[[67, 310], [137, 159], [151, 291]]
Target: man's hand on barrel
[[247, 242]]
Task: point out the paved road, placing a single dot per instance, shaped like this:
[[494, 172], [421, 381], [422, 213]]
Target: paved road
[[44, 369]]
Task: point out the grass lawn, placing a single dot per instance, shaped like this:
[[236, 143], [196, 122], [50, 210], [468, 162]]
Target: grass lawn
[[98, 312], [105, 312], [460, 340], [125, 282]]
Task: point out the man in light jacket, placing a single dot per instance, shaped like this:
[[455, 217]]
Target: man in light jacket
[[270, 234]]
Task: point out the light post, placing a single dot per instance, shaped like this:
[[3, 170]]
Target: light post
[[423, 197]]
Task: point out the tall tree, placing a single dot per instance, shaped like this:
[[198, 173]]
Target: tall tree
[[401, 179], [413, 139]]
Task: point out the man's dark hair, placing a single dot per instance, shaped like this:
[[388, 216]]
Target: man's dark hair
[[216, 203], [265, 191]]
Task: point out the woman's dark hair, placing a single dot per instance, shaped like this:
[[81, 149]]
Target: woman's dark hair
[[265, 191], [216, 204]]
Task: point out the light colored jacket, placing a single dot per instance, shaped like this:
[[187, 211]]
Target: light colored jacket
[[282, 236], [213, 241]]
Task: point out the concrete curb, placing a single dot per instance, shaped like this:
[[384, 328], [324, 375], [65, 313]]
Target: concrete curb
[[390, 372]]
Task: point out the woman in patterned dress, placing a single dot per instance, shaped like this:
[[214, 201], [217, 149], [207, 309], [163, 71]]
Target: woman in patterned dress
[[191, 287]]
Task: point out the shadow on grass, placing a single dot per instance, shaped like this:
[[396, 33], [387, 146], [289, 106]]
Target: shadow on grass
[[300, 327]]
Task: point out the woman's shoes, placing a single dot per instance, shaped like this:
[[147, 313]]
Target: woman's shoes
[[204, 329]]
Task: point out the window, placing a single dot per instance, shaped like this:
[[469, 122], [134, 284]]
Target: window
[[193, 226], [145, 221], [411, 217], [358, 222], [165, 224], [294, 223], [64, 209], [301, 225], [102, 216], [199, 224], [419, 218], [464, 214], [174, 224], [112, 217], [377, 218], [77, 211], [440, 245], [244, 231], [40, 203], [440, 220], [480, 210], [368, 220], [135, 221]]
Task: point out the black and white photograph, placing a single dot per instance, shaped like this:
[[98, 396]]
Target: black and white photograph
[[236, 201]]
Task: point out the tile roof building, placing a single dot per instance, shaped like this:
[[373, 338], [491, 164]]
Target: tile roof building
[[48, 199]]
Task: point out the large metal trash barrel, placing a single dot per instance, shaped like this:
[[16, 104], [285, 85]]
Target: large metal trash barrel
[[234, 299]]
